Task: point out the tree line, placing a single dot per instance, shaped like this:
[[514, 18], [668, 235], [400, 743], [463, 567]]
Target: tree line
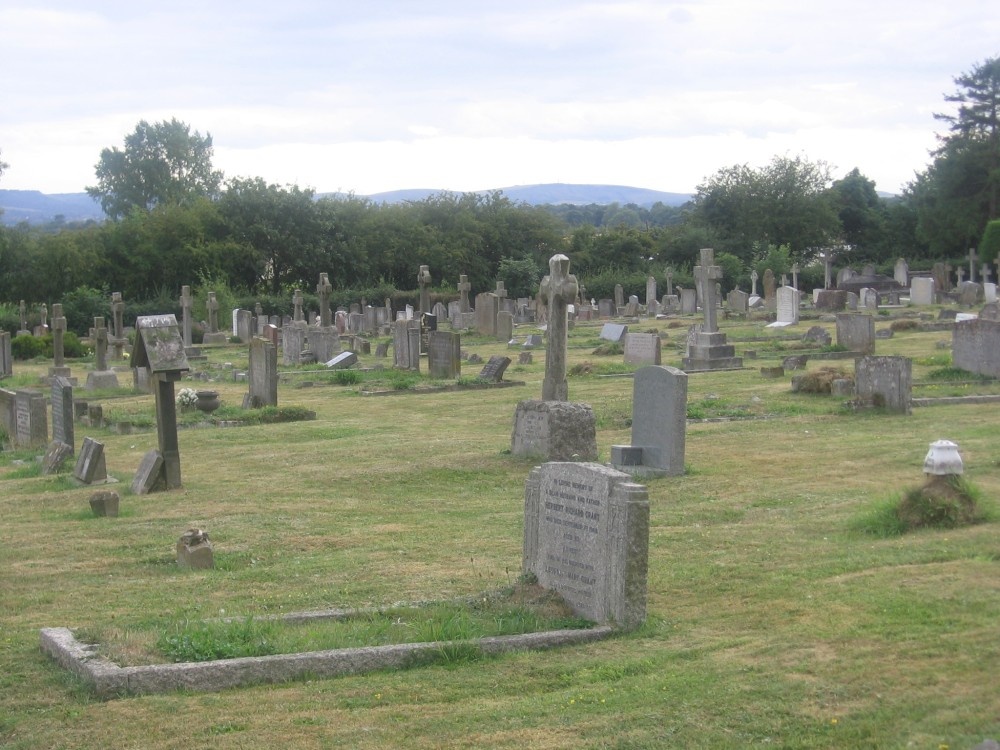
[[174, 220]]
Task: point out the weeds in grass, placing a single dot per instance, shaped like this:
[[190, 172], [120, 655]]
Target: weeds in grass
[[955, 373], [204, 641]]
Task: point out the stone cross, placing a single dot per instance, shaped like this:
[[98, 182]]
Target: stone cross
[[827, 258], [985, 272], [795, 275], [784, 279], [670, 280], [58, 331], [213, 313], [24, 316], [186, 304], [323, 291], [753, 282], [972, 263], [464, 287], [706, 274], [101, 344], [118, 324], [297, 305], [502, 293], [960, 272], [424, 282], [559, 289], [44, 312]]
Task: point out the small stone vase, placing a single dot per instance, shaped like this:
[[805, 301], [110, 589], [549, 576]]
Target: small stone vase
[[208, 401]]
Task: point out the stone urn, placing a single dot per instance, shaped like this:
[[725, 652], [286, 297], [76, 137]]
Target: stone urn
[[208, 401]]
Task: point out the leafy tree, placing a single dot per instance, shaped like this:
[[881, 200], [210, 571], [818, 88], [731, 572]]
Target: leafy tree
[[989, 247], [520, 276], [862, 214], [786, 202], [163, 163], [959, 192]]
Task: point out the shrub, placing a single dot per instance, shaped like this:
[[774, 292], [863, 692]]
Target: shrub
[[821, 380], [27, 347], [944, 502]]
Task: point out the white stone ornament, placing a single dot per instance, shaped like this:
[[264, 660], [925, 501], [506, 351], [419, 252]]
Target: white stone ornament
[[943, 459]]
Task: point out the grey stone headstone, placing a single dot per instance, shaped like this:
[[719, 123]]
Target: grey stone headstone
[[885, 382], [6, 356], [31, 428], [263, 373], [586, 536], [659, 418], [494, 369], [90, 464], [505, 326], [613, 332], [55, 457], [105, 503], [342, 361], [642, 349], [444, 354], [406, 345], [149, 477], [975, 346], [62, 412], [738, 302], [555, 431], [856, 332], [922, 290]]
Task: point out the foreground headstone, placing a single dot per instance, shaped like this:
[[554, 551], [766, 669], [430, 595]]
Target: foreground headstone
[[554, 431], [263, 374], [586, 536], [444, 354], [975, 346], [90, 464], [6, 355], [659, 423]]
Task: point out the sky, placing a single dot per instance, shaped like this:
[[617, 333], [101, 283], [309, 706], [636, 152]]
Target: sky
[[374, 95]]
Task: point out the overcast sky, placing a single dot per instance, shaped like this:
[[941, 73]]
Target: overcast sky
[[374, 95]]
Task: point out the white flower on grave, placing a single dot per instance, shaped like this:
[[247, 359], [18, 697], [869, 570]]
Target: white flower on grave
[[186, 397]]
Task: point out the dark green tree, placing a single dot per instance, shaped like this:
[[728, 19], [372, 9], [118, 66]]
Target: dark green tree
[[163, 163], [862, 215]]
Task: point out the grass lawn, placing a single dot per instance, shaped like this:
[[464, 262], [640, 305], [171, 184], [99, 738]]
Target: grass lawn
[[772, 621]]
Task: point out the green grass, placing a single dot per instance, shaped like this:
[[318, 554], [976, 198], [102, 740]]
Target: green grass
[[772, 620]]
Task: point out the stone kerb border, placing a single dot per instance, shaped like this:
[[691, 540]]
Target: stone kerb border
[[108, 680]]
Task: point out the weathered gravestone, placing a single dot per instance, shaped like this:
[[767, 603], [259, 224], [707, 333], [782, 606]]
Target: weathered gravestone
[[884, 382], [856, 332], [7, 410], [770, 289], [738, 302], [324, 339], [559, 288], [91, 467], [605, 308], [444, 354], [150, 476], [59, 368], [922, 290], [642, 349], [343, 361], [615, 332], [689, 301], [63, 413], [293, 341], [505, 326], [708, 349], [104, 503], [494, 369], [487, 307], [554, 431], [244, 325], [194, 550], [831, 300], [869, 299], [263, 374], [6, 356], [118, 337], [970, 293], [101, 377], [55, 457], [406, 345], [975, 346], [159, 349], [990, 311], [901, 272], [213, 336], [586, 536], [659, 423], [31, 427]]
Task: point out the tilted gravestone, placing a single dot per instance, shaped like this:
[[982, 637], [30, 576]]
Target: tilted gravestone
[[586, 536], [659, 423], [159, 349], [494, 369], [884, 382], [614, 332], [90, 464], [55, 457]]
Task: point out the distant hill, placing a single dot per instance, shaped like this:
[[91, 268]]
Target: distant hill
[[39, 208], [556, 193]]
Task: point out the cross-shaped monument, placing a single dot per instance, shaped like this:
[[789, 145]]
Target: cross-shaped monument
[[297, 305], [424, 282], [323, 291], [118, 324], [753, 282], [707, 349], [827, 257], [213, 313], [985, 271], [23, 310], [972, 263], [501, 292], [58, 333], [464, 287], [559, 288], [707, 274], [670, 280]]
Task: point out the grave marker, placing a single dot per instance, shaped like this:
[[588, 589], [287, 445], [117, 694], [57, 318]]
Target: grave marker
[[856, 332], [659, 423], [885, 382], [90, 464], [559, 288], [31, 428], [62, 413], [444, 354], [263, 374], [642, 349]]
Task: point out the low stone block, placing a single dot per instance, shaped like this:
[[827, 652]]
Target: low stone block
[[105, 503]]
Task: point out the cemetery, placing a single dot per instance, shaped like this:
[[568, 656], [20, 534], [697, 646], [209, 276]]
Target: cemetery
[[668, 525]]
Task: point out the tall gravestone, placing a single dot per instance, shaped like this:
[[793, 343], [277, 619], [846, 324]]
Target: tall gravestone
[[487, 308], [424, 283], [324, 340], [884, 382], [738, 302], [159, 348], [586, 536], [787, 305], [659, 424], [709, 350], [560, 289], [505, 326], [213, 336], [59, 368], [263, 374], [6, 356], [901, 273], [922, 290], [101, 377], [464, 287], [444, 354], [23, 311], [31, 426], [62, 413], [118, 338], [406, 345], [770, 290], [975, 346]]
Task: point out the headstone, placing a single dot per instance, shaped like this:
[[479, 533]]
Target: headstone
[[31, 427], [689, 301], [194, 550], [213, 337], [770, 290], [605, 308], [494, 369], [554, 431], [342, 361], [160, 349], [619, 297], [186, 304], [406, 345], [795, 275], [101, 377], [6, 355], [8, 411], [650, 291], [787, 305], [613, 332], [709, 350], [852, 302], [659, 423], [885, 382], [444, 354], [586, 537], [90, 464], [424, 282], [63, 413], [293, 340], [58, 368], [525, 358], [263, 373], [831, 300], [559, 288], [118, 338], [869, 300], [970, 293], [753, 282], [922, 290], [382, 350], [642, 349], [989, 292], [55, 457], [738, 302], [505, 326], [487, 307], [533, 341], [901, 273], [856, 332], [149, 477], [464, 287], [23, 311], [975, 346], [105, 503], [818, 335], [323, 291], [244, 325], [632, 308]]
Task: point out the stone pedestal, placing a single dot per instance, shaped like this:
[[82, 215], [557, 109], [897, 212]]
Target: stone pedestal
[[711, 352]]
